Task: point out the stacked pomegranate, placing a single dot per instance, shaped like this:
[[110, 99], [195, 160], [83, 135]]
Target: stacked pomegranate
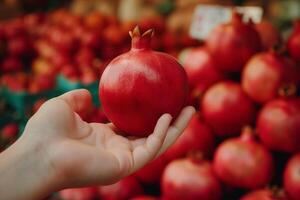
[[17, 38], [244, 141], [244, 84], [35, 48]]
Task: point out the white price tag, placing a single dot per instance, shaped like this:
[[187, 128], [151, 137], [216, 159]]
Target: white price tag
[[206, 17]]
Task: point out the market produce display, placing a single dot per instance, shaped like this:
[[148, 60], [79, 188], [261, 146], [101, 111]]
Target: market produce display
[[243, 143]]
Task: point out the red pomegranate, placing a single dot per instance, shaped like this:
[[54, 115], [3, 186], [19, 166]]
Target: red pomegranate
[[87, 193], [190, 179], [244, 163], [269, 34], [152, 172], [90, 39], [265, 194], [226, 108], [278, 125], [201, 70], [268, 75], [63, 40], [9, 131], [85, 57], [233, 43], [197, 137], [292, 177], [123, 190], [293, 43], [137, 87]]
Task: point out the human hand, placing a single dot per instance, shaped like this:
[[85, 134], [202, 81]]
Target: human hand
[[75, 153]]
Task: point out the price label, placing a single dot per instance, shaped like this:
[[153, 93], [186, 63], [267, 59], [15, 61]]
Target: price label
[[206, 17]]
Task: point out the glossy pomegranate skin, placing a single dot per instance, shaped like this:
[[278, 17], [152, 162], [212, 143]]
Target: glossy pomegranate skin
[[264, 194], [190, 180], [233, 43], [226, 108], [278, 125], [291, 177], [201, 69], [87, 193], [124, 189], [269, 34], [197, 137], [293, 43], [266, 73], [152, 172], [243, 163], [137, 87]]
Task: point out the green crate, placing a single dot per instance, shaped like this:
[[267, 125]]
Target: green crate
[[22, 101], [6, 118]]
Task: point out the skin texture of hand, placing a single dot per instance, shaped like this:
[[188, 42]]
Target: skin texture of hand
[[59, 150]]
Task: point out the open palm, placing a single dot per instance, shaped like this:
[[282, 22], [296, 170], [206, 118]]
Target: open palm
[[84, 153]]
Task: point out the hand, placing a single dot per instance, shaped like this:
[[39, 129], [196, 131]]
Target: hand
[[75, 153]]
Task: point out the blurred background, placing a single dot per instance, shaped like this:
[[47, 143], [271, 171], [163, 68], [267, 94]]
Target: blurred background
[[53, 46]]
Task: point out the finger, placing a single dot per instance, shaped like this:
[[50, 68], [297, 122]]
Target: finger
[[82, 128], [138, 142], [177, 128], [142, 154], [78, 100]]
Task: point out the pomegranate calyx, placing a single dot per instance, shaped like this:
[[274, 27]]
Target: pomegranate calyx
[[197, 93], [141, 41], [236, 17], [277, 193], [251, 22], [247, 134], [287, 90], [135, 33]]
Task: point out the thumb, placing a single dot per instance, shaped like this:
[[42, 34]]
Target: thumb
[[78, 100]]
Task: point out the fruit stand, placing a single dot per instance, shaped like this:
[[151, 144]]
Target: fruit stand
[[241, 63]]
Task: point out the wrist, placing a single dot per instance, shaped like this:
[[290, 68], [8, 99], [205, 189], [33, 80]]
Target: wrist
[[26, 172]]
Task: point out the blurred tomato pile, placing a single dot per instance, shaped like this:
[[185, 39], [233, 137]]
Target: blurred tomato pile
[[243, 143]]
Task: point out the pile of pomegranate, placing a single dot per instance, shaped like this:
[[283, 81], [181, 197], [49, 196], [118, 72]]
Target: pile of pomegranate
[[36, 48], [243, 142]]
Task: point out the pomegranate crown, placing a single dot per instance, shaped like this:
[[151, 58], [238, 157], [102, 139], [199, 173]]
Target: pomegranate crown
[[277, 193], [236, 17], [248, 134], [141, 41]]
